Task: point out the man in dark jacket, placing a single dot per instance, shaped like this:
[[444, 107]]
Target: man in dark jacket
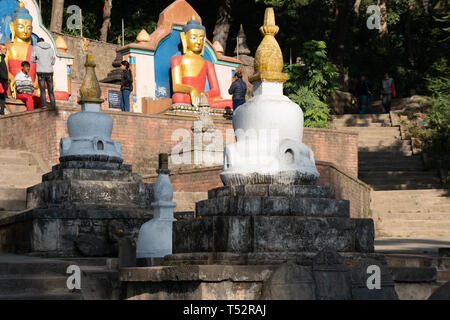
[[363, 94], [3, 78], [126, 86], [238, 89], [44, 58]]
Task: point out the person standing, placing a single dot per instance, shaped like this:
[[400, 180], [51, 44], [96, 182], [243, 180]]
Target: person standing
[[363, 94], [387, 92], [126, 86], [44, 58], [25, 87], [4, 81], [238, 89]]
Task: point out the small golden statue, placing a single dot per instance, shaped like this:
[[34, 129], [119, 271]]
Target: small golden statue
[[191, 71]]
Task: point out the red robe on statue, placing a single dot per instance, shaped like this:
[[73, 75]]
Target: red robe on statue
[[208, 72]]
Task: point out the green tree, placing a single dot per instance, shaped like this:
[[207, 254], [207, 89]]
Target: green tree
[[311, 82]]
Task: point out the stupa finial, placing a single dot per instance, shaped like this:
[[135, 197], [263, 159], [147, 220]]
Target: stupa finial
[[90, 88], [269, 58]]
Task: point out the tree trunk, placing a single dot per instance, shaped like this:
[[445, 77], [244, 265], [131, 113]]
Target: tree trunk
[[383, 21], [106, 20], [356, 7], [343, 10], [223, 23], [57, 16]]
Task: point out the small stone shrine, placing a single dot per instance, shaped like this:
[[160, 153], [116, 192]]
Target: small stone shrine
[[90, 199], [270, 233]]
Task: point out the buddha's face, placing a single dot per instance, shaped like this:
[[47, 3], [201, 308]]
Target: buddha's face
[[195, 40], [23, 29]]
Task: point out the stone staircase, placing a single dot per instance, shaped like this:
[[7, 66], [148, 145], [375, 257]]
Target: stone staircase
[[29, 278], [18, 171], [407, 201]]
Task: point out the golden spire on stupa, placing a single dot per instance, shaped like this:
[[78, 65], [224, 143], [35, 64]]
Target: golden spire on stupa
[[269, 58], [90, 88]]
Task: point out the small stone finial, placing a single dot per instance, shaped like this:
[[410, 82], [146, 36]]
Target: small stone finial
[[90, 88], [61, 44], [143, 36], [269, 58], [163, 161], [242, 47]]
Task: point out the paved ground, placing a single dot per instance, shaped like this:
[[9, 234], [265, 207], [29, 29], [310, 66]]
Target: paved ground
[[411, 246]]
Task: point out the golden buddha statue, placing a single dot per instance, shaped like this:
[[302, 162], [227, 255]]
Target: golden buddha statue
[[191, 71], [20, 48]]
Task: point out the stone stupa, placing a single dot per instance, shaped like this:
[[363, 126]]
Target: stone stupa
[[270, 233], [91, 198]]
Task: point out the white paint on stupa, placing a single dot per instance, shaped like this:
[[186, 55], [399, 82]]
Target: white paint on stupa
[[155, 236], [269, 148]]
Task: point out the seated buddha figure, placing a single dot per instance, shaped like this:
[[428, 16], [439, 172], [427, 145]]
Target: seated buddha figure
[[191, 71], [20, 48]]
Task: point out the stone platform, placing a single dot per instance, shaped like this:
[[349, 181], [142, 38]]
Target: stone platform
[[82, 208], [273, 219], [267, 242]]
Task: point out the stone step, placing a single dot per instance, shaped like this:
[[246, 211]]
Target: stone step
[[12, 199], [373, 130], [363, 155], [6, 161], [403, 146], [376, 167], [20, 283], [409, 186], [394, 175], [273, 206], [12, 264], [415, 228], [405, 207], [417, 197], [383, 158], [362, 117], [339, 124], [20, 180], [18, 168], [414, 215], [42, 296], [382, 144]]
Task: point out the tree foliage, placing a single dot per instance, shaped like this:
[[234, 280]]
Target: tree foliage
[[311, 82]]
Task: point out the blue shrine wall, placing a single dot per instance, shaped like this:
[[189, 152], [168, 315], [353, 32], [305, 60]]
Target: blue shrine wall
[[6, 11], [168, 48]]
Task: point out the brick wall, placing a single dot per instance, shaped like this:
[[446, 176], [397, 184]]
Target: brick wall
[[144, 136], [104, 87], [347, 188], [104, 54]]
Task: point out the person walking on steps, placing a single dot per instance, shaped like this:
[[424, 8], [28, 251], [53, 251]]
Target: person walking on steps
[[238, 89], [363, 94], [126, 86], [44, 58], [387, 92]]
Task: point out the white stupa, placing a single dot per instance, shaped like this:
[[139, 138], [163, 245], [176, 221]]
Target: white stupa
[[269, 127]]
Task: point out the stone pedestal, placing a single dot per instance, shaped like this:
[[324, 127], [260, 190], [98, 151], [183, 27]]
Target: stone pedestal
[[296, 241], [81, 208]]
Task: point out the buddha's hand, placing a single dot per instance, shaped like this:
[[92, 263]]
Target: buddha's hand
[[195, 97]]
